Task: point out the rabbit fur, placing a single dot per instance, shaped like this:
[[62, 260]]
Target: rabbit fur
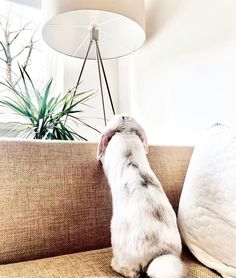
[[144, 233]]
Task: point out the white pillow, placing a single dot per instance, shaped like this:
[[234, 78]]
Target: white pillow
[[207, 209]]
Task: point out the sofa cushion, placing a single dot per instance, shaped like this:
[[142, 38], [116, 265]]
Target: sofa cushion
[[54, 197], [207, 210], [54, 200], [86, 264]]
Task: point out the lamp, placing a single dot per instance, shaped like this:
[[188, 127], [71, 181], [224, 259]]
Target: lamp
[[114, 27]]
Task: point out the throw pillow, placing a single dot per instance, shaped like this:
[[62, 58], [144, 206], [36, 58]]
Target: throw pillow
[[207, 209]]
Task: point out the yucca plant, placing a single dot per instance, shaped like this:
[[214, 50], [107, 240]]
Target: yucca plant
[[46, 117]]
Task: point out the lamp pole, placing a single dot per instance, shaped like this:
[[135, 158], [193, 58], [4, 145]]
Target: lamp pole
[[94, 39]]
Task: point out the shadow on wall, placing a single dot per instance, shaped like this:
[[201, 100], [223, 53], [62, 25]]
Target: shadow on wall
[[158, 13]]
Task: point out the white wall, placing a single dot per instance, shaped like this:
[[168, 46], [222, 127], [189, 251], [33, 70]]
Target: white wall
[[181, 81], [184, 78]]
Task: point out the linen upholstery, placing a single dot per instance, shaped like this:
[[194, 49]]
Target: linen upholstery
[[54, 200], [87, 264], [170, 165]]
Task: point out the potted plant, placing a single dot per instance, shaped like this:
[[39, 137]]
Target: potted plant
[[45, 116]]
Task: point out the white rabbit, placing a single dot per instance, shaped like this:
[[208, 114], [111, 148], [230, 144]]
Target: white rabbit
[[144, 233]]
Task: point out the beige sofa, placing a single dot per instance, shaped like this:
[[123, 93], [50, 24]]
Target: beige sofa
[[55, 208]]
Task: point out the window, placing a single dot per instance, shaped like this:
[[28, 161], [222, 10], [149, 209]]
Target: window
[[20, 26]]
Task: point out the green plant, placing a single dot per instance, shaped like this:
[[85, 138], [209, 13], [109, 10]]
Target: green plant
[[45, 116]]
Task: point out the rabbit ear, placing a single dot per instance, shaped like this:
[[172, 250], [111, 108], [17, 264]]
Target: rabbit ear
[[143, 138], [106, 137]]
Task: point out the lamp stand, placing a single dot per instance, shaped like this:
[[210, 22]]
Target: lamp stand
[[94, 38]]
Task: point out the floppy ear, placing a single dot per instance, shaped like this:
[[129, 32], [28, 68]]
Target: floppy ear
[[106, 137], [143, 138]]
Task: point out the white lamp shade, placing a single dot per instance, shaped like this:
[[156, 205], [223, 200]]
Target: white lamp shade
[[121, 25]]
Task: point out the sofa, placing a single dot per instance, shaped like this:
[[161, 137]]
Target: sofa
[[55, 208]]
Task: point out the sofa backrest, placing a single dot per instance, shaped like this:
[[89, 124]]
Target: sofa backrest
[[54, 197]]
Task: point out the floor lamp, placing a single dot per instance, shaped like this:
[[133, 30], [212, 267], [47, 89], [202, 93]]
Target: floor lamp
[[95, 30]]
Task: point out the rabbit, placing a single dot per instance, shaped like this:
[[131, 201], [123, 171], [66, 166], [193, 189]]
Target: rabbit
[[144, 234]]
